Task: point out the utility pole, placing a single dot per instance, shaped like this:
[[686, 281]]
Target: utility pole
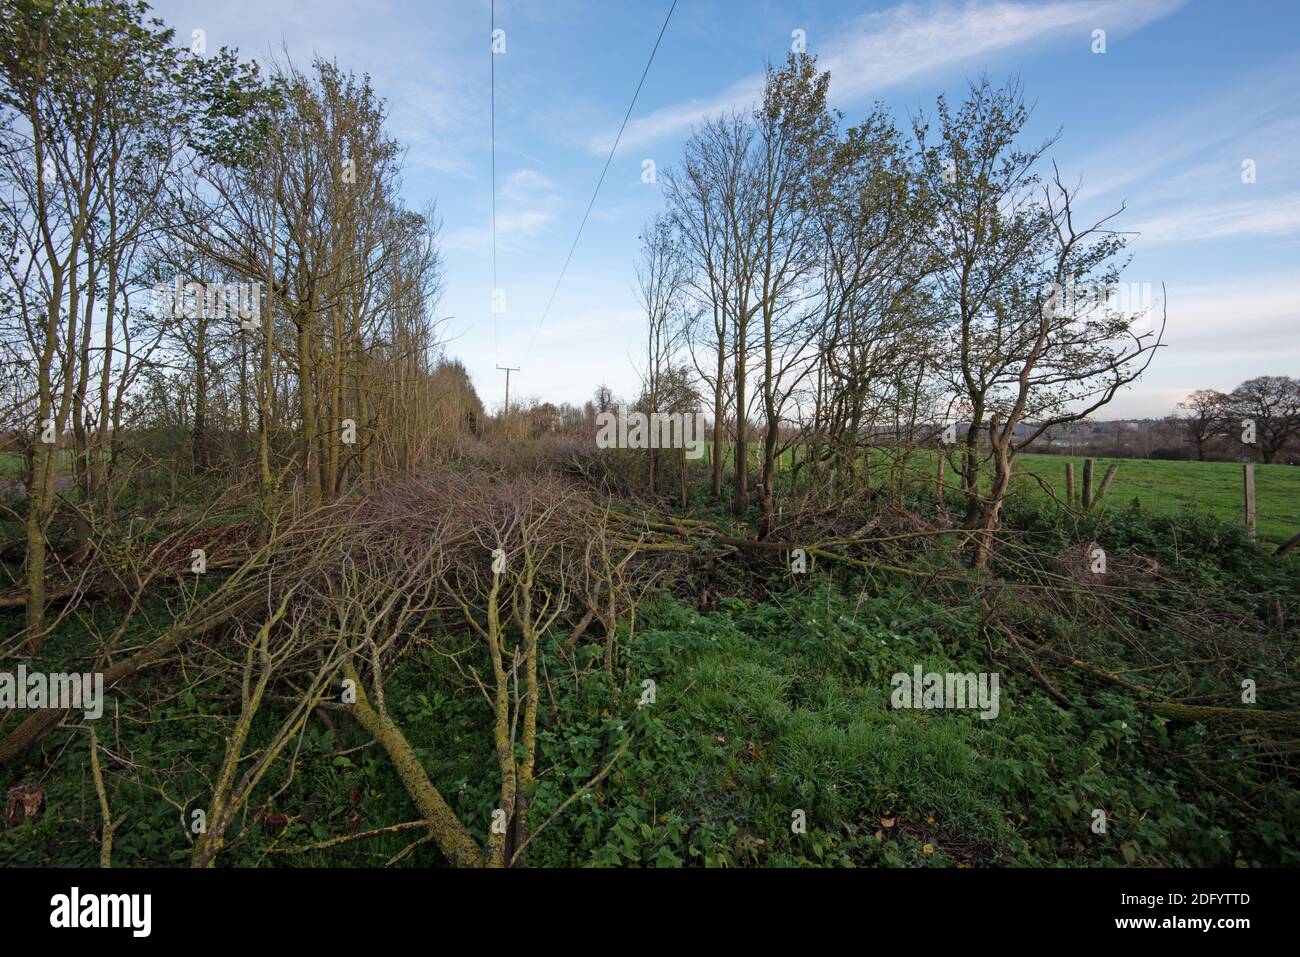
[[507, 370]]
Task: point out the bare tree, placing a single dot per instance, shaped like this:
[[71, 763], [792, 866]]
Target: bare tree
[[1271, 404], [661, 280], [1204, 420], [1030, 342]]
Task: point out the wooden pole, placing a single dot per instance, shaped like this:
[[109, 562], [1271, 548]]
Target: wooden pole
[[1069, 483], [938, 480], [1248, 475], [1105, 483], [1087, 484], [507, 370]]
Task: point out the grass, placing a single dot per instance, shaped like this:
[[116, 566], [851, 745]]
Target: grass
[[766, 709], [765, 712], [13, 468], [11, 465], [1162, 486]]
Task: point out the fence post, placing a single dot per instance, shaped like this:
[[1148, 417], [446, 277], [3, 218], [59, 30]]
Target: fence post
[[1248, 475], [1087, 484], [1069, 484], [1105, 483], [938, 479]]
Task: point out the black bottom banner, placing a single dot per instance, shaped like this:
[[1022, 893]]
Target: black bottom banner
[[338, 907]]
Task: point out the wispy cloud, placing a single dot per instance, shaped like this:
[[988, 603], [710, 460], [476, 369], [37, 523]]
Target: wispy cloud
[[527, 202], [526, 186], [1254, 317], [1263, 217], [878, 50], [1256, 117]]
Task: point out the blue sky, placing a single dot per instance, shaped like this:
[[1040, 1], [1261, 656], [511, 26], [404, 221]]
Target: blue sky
[[1186, 91]]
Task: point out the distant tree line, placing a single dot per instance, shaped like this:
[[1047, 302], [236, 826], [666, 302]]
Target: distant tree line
[[1260, 419]]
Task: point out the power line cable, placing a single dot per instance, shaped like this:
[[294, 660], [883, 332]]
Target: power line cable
[[492, 54], [608, 160]]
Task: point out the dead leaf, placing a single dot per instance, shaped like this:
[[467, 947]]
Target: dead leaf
[[24, 802]]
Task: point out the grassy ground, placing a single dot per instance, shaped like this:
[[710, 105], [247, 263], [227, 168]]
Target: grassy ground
[[14, 469], [762, 712], [1163, 486], [11, 467], [767, 710]]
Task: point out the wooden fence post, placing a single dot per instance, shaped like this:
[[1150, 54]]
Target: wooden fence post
[[1248, 475], [1069, 484], [938, 479], [1087, 484], [1105, 483]]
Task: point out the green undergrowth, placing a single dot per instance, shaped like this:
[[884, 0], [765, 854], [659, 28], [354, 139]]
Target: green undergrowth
[[725, 730]]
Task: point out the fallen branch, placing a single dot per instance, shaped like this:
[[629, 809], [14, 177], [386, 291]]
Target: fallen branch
[[1288, 718], [349, 838], [106, 841], [40, 723], [578, 631], [455, 842], [1288, 545]]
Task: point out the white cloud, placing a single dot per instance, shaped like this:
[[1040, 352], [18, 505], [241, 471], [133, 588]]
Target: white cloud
[[525, 185], [1253, 118], [881, 49], [1262, 217], [1253, 317], [527, 202], [672, 120]]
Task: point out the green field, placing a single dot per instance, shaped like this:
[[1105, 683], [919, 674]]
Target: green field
[[1167, 486], [1162, 485]]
